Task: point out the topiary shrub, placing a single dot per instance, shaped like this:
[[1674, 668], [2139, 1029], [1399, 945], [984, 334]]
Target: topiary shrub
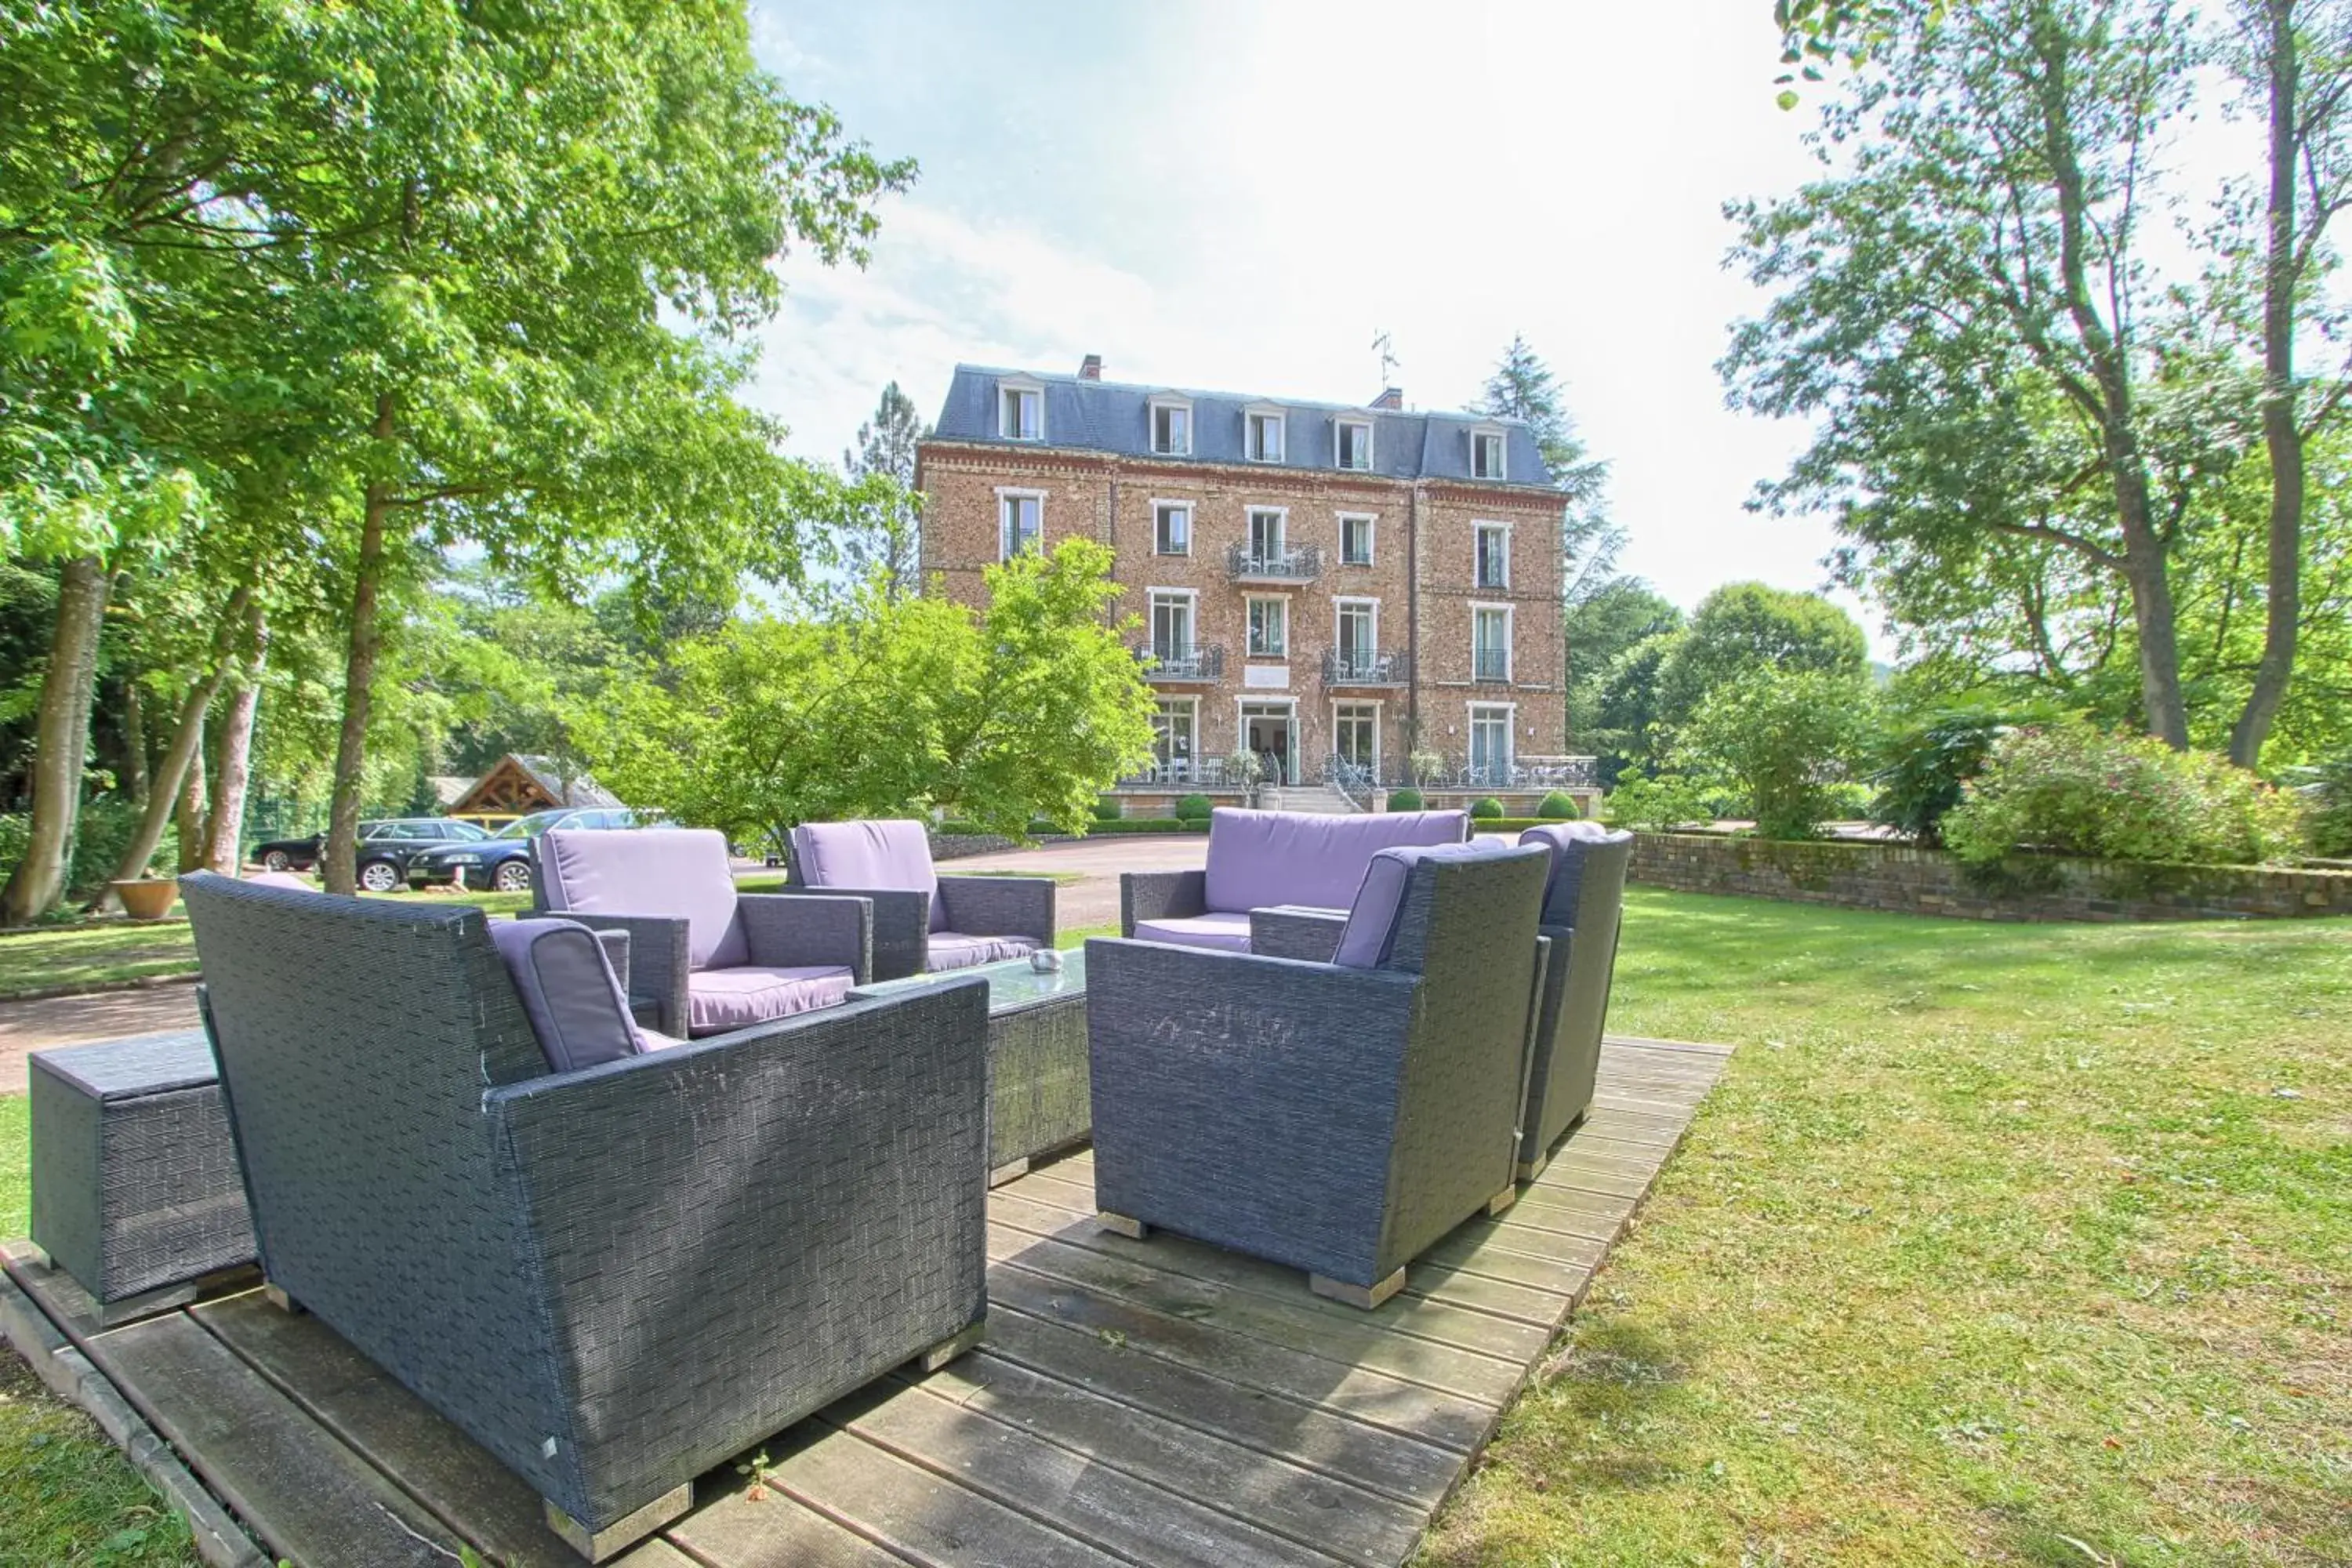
[[1558, 806], [1106, 810], [1404, 800], [1485, 806], [1193, 808], [2075, 789]]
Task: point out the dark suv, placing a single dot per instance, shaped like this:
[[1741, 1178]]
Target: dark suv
[[385, 847], [501, 862]]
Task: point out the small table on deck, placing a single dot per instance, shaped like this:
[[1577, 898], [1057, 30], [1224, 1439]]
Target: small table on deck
[[1037, 1092]]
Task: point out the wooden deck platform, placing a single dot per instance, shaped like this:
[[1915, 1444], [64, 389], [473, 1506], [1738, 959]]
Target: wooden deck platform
[[1136, 1402]]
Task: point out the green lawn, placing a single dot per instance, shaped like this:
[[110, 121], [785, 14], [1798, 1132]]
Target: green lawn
[[1997, 1244]]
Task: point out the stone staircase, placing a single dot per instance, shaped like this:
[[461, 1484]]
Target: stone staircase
[[1320, 799]]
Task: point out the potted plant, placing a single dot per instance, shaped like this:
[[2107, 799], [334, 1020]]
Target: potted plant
[[145, 898]]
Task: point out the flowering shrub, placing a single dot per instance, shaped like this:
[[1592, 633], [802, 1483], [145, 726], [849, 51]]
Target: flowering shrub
[[2077, 789]]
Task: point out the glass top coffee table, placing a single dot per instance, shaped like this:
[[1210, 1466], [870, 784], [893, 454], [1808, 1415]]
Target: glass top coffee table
[[1037, 1094]]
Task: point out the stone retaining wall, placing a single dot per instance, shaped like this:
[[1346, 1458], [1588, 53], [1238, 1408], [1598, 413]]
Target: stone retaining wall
[[1905, 880]]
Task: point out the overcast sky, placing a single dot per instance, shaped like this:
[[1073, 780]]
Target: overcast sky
[[1239, 196]]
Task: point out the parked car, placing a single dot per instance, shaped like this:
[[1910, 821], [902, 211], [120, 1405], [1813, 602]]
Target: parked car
[[501, 861], [385, 847]]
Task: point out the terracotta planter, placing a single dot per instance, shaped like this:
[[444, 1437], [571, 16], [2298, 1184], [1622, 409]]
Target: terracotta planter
[[147, 898]]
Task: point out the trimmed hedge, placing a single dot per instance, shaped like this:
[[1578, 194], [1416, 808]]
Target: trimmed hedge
[[1405, 800], [1106, 810], [1151, 825], [1511, 823], [1558, 807], [1193, 807], [1486, 808]]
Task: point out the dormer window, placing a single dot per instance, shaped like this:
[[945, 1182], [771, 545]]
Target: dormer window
[[1486, 448], [1261, 435], [1352, 442], [1021, 411], [1172, 427]]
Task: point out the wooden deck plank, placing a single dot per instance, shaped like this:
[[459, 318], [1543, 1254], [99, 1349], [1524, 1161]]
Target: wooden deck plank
[[1286, 1498], [1063, 1488], [309, 1498], [440, 1468], [736, 1530]]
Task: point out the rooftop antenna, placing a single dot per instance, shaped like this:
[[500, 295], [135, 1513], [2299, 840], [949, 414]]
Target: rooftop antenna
[[1388, 360]]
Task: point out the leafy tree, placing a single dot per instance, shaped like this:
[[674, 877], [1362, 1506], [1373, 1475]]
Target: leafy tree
[[1600, 627], [1743, 630], [888, 707], [1524, 388], [1627, 721], [1784, 739], [884, 533]]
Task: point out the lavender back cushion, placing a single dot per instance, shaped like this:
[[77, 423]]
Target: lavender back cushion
[[1571, 843], [568, 992], [673, 871], [1259, 858], [1371, 932], [874, 855]]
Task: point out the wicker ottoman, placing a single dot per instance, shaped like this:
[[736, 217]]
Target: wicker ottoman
[[136, 1188]]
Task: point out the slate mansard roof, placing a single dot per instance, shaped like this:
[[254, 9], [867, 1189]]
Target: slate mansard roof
[[1112, 417]]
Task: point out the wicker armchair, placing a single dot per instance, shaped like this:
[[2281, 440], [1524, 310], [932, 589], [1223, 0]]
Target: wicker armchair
[[708, 958], [612, 1278], [923, 922], [1337, 1116], [1584, 903]]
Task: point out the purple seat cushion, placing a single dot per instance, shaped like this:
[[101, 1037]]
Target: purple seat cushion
[[673, 871], [286, 879], [569, 991], [953, 950], [1222, 928], [1258, 858], [873, 855], [1371, 932], [1567, 842], [720, 999]]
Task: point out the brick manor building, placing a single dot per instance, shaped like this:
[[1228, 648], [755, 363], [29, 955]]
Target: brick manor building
[[1330, 586]]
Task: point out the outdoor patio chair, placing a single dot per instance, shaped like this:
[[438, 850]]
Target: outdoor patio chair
[[617, 1272], [1339, 1117], [707, 957], [923, 922], [1584, 901], [1260, 860]]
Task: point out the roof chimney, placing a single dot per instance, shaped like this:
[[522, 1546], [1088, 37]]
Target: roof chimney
[[1091, 368], [1391, 398]]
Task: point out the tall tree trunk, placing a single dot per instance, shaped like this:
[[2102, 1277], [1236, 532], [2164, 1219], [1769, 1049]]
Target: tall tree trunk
[[61, 740], [134, 743], [336, 858], [187, 737], [226, 836], [188, 814], [2281, 434]]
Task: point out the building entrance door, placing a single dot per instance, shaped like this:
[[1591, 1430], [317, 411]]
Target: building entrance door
[[1268, 729]]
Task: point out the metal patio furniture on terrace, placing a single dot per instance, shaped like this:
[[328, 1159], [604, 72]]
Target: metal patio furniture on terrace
[[708, 958], [1584, 903], [1339, 1117], [1258, 859], [923, 922], [612, 1276]]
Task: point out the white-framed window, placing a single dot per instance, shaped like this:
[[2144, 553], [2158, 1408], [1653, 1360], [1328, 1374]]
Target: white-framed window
[[1486, 454], [1171, 528], [1490, 642], [1269, 629], [1490, 741], [1020, 522], [1356, 735], [1357, 636], [1262, 432], [1270, 728], [1356, 539], [1172, 427], [1175, 727], [1492, 564], [1267, 527], [1351, 443], [1173, 619], [1021, 411]]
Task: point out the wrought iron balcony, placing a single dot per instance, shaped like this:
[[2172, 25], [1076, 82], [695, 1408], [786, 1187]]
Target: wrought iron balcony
[[1367, 666], [1244, 564], [1490, 664], [1181, 661]]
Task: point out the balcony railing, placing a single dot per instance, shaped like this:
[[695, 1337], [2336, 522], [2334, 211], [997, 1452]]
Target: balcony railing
[[1170, 772], [1245, 563], [1490, 664], [1181, 661], [1366, 667]]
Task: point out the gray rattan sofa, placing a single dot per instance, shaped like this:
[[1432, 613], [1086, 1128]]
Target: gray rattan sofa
[[1584, 903], [923, 922], [613, 1277], [1337, 1116]]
